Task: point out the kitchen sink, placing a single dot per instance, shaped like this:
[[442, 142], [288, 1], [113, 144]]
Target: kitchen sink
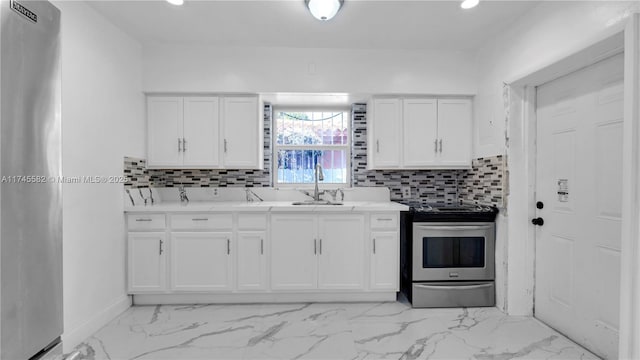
[[313, 202]]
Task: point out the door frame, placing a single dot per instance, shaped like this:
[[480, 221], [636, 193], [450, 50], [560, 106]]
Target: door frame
[[521, 153]]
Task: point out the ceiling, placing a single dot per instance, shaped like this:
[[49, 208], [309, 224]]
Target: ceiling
[[360, 24]]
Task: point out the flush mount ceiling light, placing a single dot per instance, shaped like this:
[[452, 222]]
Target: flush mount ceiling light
[[176, 2], [324, 9], [468, 4]]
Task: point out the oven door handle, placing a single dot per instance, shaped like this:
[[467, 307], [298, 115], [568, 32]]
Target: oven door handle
[[458, 287], [454, 228]]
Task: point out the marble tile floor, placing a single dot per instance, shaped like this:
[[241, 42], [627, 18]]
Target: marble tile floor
[[391, 330]]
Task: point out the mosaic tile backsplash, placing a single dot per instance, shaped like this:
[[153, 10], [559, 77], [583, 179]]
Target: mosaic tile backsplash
[[484, 183]]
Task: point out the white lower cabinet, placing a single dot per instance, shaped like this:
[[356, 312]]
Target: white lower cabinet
[[384, 260], [317, 252], [146, 262], [294, 252], [251, 269], [341, 251], [201, 261]]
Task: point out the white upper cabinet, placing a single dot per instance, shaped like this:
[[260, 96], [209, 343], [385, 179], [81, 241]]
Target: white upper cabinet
[[164, 130], [385, 137], [419, 133], [200, 146], [206, 132], [420, 128], [454, 132], [242, 144]]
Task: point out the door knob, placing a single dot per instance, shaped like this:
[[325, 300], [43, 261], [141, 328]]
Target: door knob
[[538, 221]]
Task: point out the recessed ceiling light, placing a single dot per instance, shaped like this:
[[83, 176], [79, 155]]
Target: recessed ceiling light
[[468, 4], [176, 2]]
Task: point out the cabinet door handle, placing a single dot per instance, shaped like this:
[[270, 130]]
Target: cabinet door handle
[[261, 246], [184, 144], [440, 146], [143, 220], [374, 245], [378, 146], [179, 145], [161, 250], [228, 246], [315, 246], [435, 142], [320, 246], [225, 145]]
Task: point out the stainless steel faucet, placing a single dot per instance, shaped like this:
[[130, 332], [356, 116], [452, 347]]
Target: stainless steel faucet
[[183, 195], [251, 195], [318, 176]]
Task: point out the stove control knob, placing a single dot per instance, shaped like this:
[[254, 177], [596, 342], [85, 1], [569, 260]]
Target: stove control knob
[[538, 221]]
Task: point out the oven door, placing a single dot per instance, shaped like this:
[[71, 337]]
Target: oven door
[[453, 251]]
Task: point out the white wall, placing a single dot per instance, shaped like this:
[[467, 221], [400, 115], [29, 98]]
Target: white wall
[[548, 33], [193, 68], [102, 121]]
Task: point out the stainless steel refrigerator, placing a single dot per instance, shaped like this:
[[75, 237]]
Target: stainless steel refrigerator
[[30, 197]]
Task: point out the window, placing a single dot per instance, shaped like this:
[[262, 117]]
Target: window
[[303, 139]]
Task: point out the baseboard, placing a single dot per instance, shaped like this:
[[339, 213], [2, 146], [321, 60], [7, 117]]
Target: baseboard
[[73, 337], [175, 299]]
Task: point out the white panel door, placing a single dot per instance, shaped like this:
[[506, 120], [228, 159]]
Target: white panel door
[[579, 169], [201, 132], [293, 252], [251, 269], [241, 133], [386, 130], [454, 132], [385, 257], [201, 261], [420, 118], [341, 252], [146, 262], [164, 129]]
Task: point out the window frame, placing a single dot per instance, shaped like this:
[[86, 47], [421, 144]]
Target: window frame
[[275, 147]]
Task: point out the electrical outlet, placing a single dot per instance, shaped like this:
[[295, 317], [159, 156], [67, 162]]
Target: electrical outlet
[[406, 192]]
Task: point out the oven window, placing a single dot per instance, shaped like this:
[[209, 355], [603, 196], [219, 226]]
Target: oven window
[[454, 252]]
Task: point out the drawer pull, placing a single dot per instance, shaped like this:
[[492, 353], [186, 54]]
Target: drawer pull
[[457, 287], [384, 219], [200, 219], [143, 220]]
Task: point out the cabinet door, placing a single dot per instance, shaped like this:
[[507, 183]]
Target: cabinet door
[[251, 271], [454, 131], [341, 252], [201, 261], [242, 133], [164, 131], [420, 118], [293, 252], [201, 132], [146, 262], [385, 142], [385, 268]]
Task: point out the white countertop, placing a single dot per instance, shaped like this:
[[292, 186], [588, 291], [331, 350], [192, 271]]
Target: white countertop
[[264, 206]]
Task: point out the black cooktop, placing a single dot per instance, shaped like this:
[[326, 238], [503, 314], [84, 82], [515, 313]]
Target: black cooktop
[[422, 211]]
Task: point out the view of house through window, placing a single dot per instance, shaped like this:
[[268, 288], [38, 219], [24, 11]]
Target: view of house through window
[[306, 138]]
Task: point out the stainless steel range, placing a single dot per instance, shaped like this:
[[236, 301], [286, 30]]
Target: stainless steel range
[[448, 255]]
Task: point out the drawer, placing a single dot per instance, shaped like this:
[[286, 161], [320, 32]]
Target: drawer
[[201, 221], [384, 221], [144, 222], [453, 294], [252, 221]]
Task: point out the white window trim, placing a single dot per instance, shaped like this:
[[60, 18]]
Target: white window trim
[[275, 147]]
